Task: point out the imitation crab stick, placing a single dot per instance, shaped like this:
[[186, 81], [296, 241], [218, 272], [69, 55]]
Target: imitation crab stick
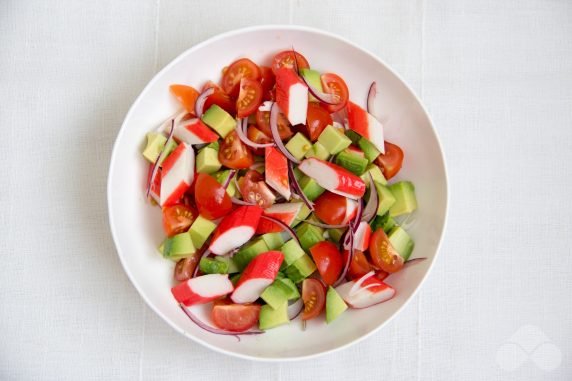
[[177, 174], [334, 178], [235, 229], [258, 275]]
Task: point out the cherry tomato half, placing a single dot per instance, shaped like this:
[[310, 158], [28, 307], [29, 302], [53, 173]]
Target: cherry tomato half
[[185, 267], [330, 208], [328, 261], [249, 97], [334, 84], [382, 253], [233, 153], [254, 189], [178, 219], [390, 162], [314, 297], [186, 95], [359, 265], [219, 98], [235, 317], [257, 136], [242, 68], [267, 80], [317, 119], [263, 123], [211, 198], [286, 59]]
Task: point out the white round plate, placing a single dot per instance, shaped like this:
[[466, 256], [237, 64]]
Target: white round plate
[[136, 225]]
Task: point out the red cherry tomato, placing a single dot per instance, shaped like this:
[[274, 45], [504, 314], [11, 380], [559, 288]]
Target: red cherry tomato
[[334, 84], [267, 80], [178, 219], [390, 162], [257, 136], [359, 265], [382, 253], [263, 123], [219, 98], [328, 261], [233, 153], [314, 297], [186, 95], [317, 119], [330, 208], [249, 98], [235, 317], [242, 68], [254, 189], [286, 59], [211, 198]]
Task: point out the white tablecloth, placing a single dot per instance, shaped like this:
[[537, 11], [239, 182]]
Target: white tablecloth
[[496, 77]]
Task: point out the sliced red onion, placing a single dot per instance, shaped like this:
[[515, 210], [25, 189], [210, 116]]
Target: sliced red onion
[[274, 111], [231, 175], [355, 223], [414, 261], [349, 245], [283, 226], [372, 203], [238, 201], [177, 117], [329, 99], [295, 308], [156, 163], [297, 188], [242, 136], [357, 285], [325, 226], [195, 319], [200, 102]]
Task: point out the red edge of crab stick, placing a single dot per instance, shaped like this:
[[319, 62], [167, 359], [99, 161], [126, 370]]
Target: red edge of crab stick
[[366, 125], [235, 229], [285, 212], [291, 95], [202, 289], [194, 131], [257, 275], [334, 178], [177, 174]]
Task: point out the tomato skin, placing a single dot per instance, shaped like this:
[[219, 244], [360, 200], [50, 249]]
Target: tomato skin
[[263, 123], [242, 68], [219, 98], [185, 267], [391, 161], [314, 297], [334, 84], [286, 59], [257, 136], [328, 261], [235, 317], [253, 189], [233, 153], [211, 198], [382, 253], [267, 80], [318, 118], [249, 98], [178, 218], [359, 265], [330, 208], [186, 95]]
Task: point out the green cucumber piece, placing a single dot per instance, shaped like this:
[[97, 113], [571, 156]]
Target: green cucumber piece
[[352, 162]]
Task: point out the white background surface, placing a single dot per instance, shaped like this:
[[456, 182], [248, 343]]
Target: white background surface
[[496, 77]]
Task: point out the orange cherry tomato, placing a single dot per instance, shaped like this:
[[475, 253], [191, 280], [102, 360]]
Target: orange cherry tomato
[[382, 253], [334, 84], [186, 95], [233, 153]]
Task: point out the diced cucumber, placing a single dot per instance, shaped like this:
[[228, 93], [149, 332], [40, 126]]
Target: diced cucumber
[[309, 235], [352, 162], [385, 199], [298, 145], [212, 266], [405, 200], [401, 242], [368, 149], [301, 269], [271, 317]]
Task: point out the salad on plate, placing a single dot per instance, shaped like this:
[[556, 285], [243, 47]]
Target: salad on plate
[[278, 197]]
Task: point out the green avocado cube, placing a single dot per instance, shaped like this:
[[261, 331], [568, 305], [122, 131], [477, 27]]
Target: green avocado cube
[[376, 174], [273, 317], [155, 143], [352, 162], [212, 266], [336, 234], [309, 235], [213, 145], [369, 150], [292, 293], [207, 161], [401, 242], [275, 294], [354, 136], [302, 215], [310, 187], [219, 120], [318, 151], [335, 305], [248, 252], [333, 140], [302, 268], [385, 199], [313, 78], [221, 178], [200, 230], [179, 246], [232, 267], [298, 145], [292, 252], [273, 240], [405, 200]]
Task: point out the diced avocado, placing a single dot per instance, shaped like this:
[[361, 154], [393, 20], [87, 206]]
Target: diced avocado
[[333, 140], [352, 162], [248, 252], [368, 149], [219, 120], [292, 252], [162, 246], [385, 199], [207, 161], [221, 177], [155, 143], [302, 268], [292, 293], [212, 266], [309, 235], [405, 200], [273, 317], [235, 278], [318, 151], [280, 275], [313, 78], [385, 222], [232, 267], [200, 230], [213, 145], [302, 215], [354, 136], [178, 246], [298, 145], [401, 242], [275, 294], [376, 174], [310, 187], [335, 305], [336, 234], [273, 240]]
